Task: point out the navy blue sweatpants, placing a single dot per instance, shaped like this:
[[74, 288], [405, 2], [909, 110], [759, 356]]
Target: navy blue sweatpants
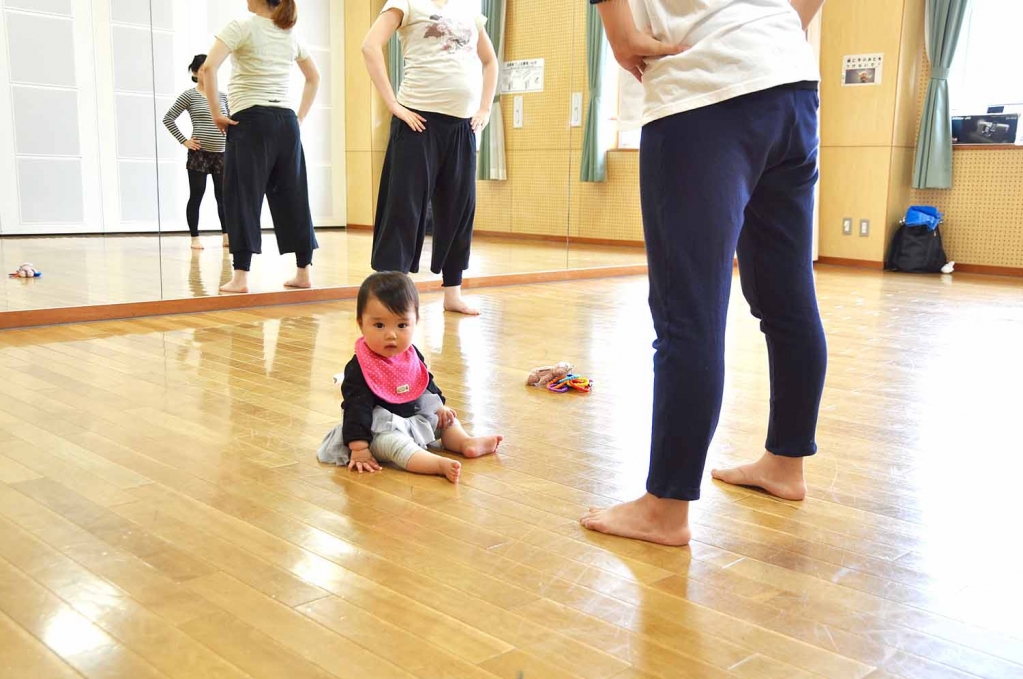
[[734, 177]]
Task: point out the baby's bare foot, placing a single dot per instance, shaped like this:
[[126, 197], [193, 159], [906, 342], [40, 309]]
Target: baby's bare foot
[[665, 522], [481, 445], [777, 475], [451, 469]]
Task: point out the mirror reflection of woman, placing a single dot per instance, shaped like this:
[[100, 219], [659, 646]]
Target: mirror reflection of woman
[[265, 157], [205, 148], [444, 100]]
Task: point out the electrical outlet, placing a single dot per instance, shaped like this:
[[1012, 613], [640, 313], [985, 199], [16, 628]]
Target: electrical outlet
[[577, 109], [847, 226], [864, 228], [517, 116]]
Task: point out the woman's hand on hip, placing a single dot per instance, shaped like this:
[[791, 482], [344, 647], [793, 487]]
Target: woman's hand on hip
[[192, 144], [632, 47], [481, 119], [223, 123], [636, 48], [411, 118]]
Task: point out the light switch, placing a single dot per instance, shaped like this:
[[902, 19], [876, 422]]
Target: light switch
[[517, 117], [577, 109]]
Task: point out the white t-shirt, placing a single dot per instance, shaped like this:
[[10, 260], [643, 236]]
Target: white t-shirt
[[443, 71], [262, 56], [736, 47]]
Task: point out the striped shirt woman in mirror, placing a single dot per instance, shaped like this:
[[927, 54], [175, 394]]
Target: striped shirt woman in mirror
[[205, 148]]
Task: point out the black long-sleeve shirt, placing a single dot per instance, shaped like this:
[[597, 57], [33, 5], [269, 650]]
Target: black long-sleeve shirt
[[359, 400]]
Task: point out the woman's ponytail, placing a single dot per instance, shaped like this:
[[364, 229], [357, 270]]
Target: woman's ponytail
[[285, 14]]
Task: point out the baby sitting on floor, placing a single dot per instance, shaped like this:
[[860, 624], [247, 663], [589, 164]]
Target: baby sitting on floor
[[392, 408]]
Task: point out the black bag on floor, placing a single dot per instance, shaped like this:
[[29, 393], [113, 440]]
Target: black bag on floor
[[916, 246]]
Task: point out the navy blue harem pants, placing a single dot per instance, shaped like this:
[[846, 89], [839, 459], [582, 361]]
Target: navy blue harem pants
[[434, 168], [265, 158], [734, 177]]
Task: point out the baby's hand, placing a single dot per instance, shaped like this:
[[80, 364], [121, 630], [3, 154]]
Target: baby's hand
[[362, 461], [445, 417]]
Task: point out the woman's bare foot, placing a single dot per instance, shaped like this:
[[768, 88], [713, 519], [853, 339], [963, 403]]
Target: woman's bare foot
[[777, 475], [450, 469], [653, 519], [197, 243], [453, 302], [303, 278], [226, 244], [239, 282], [481, 445]]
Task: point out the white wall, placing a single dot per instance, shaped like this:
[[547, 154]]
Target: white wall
[[84, 85]]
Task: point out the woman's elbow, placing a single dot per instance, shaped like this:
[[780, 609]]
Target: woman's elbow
[[369, 48]]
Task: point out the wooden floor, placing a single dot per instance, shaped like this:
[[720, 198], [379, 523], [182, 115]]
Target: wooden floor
[[84, 270], [162, 513]]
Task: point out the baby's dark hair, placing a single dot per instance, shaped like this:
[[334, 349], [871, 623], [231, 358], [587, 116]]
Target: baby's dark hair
[[393, 289], [197, 61]]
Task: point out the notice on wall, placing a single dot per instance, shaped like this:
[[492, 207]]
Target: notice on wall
[[525, 75], [859, 70]]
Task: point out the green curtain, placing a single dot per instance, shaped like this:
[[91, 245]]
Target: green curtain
[[932, 168], [593, 167], [492, 139], [395, 63]]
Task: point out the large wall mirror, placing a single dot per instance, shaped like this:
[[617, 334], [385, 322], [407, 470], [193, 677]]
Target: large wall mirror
[[94, 188]]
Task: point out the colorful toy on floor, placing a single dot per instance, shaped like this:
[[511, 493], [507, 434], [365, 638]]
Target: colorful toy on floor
[[559, 378], [26, 270], [541, 377], [570, 381]]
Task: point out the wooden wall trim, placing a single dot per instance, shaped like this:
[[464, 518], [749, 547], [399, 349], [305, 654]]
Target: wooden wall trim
[[983, 269], [538, 237], [108, 312], [851, 263], [1013, 271]]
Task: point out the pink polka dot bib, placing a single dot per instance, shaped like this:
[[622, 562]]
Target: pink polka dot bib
[[399, 379]]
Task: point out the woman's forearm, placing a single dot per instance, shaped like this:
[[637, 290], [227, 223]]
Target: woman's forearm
[[312, 86], [489, 84], [212, 92], [377, 67], [616, 15]]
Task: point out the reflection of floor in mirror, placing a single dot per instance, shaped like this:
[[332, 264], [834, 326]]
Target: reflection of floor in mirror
[[160, 497], [105, 270]]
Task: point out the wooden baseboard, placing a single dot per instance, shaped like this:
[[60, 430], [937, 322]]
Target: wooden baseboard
[[505, 235], [109, 312], [983, 269], [1014, 272], [851, 263]]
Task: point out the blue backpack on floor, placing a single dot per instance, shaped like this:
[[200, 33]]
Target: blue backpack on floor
[[916, 246]]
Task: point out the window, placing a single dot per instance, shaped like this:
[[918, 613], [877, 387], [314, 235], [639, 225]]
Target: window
[[619, 139], [989, 59]]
